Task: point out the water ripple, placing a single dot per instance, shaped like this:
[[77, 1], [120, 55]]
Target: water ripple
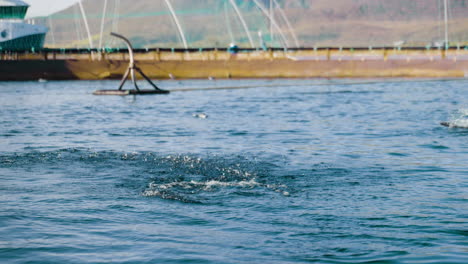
[[293, 171]]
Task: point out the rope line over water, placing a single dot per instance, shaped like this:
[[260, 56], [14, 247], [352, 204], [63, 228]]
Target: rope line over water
[[311, 84]]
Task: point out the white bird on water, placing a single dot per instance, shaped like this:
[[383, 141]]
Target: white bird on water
[[201, 115]]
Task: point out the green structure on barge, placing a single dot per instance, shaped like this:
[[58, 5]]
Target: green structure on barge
[[15, 34]]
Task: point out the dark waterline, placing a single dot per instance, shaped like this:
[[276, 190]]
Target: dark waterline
[[293, 171]]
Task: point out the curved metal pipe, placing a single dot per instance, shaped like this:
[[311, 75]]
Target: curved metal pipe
[[85, 19], [228, 22], [288, 23], [176, 20], [129, 46], [266, 13], [132, 68], [446, 37], [51, 25], [102, 23], [244, 24]]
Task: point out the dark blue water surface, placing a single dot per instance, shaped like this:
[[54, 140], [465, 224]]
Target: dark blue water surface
[[290, 171]]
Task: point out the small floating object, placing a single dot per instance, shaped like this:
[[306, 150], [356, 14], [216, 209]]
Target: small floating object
[[452, 125], [445, 124], [132, 67], [42, 80], [129, 92], [201, 116]]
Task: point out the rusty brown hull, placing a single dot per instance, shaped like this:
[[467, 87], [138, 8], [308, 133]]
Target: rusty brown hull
[[223, 65]]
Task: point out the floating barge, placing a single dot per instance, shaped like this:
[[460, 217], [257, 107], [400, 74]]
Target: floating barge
[[86, 64]]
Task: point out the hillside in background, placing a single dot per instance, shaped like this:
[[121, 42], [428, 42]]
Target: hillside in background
[[208, 23]]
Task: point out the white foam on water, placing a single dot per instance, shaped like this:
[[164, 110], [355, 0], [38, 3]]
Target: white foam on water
[[151, 193], [463, 111], [155, 189], [461, 123], [205, 176], [459, 119], [208, 185]]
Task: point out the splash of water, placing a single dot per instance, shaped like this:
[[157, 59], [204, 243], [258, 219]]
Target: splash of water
[[463, 111], [460, 119], [190, 178], [186, 178], [459, 123], [183, 190]]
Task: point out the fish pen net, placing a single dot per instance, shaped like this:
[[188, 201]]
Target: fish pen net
[[260, 23]]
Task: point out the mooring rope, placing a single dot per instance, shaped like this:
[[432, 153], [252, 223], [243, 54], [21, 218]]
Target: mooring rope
[[309, 84]]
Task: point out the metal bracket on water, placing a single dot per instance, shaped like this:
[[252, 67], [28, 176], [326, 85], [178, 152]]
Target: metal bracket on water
[[132, 67]]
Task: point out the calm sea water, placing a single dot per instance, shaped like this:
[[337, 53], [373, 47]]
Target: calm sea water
[[290, 171]]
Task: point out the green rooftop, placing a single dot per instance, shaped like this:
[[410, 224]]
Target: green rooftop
[[13, 9]]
